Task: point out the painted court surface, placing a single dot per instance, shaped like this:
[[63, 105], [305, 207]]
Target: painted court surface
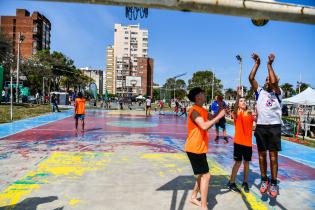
[[127, 161]]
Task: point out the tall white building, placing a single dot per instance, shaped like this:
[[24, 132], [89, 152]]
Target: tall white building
[[130, 42]]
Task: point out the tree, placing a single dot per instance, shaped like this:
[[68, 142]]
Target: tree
[[303, 86], [230, 94], [156, 94], [203, 79], [287, 89], [171, 84], [7, 59]]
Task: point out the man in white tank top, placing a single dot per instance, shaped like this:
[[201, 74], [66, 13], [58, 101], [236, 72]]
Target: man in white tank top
[[268, 130]]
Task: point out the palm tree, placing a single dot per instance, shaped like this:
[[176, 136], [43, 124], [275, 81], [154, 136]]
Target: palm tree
[[287, 89], [230, 94]]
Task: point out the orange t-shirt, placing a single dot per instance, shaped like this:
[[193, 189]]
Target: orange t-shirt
[[243, 128], [197, 138], [80, 105]]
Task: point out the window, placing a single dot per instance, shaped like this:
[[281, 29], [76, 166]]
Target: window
[[126, 49], [145, 39], [126, 32], [126, 37], [144, 51]]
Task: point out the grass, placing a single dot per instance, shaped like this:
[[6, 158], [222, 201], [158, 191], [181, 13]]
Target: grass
[[22, 111]]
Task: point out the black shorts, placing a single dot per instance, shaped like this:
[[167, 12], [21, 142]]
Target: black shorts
[[79, 116], [242, 152], [199, 163], [221, 124], [148, 107], [268, 137]]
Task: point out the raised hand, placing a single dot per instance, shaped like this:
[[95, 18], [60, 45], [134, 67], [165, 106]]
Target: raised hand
[[271, 58], [256, 58]]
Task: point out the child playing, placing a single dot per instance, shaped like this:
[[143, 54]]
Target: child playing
[[196, 145], [243, 121], [79, 107]]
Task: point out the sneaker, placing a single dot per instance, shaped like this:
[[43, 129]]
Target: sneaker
[[232, 186], [226, 140], [264, 186], [273, 190], [245, 186], [216, 139]]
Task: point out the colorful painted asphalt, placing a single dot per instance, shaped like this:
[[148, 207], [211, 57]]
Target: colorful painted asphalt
[[125, 160]]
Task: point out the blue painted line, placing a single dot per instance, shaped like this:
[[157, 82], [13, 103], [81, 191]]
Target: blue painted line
[[8, 129], [294, 151]]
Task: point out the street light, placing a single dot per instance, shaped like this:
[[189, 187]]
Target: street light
[[20, 40], [239, 58]]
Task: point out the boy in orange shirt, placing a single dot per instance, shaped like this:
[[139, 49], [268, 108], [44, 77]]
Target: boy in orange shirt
[[79, 108], [196, 145], [243, 121]]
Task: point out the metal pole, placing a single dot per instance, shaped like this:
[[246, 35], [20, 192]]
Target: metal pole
[[241, 61], [11, 94], [212, 86], [18, 71], [43, 94], [300, 83], [174, 88]]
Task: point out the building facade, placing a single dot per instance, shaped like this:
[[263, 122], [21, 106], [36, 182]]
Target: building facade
[[110, 74], [145, 71], [130, 43], [97, 76], [34, 28]]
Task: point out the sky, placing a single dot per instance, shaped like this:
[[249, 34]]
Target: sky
[[181, 42]]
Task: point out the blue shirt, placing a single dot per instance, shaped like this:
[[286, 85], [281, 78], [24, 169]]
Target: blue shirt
[[215, 107]]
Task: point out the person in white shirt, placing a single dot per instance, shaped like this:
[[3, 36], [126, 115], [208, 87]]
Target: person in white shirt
[[148, 106], [268, 129], [3, 96]]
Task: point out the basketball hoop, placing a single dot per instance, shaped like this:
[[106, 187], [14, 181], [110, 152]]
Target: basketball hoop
[[133, 12], [133, 82]]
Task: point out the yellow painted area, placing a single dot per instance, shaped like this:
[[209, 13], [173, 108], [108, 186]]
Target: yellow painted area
[[59, 164], [74, 202], [168, 163]]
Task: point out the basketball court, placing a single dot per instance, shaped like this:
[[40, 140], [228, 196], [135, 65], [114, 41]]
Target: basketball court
[[128, 161]]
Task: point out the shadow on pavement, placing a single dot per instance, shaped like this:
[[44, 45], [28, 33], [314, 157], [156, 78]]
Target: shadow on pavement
[[218, 185], [31, 203]]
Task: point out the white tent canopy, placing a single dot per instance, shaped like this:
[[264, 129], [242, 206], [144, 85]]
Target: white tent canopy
[[140, 97], [306, 97]]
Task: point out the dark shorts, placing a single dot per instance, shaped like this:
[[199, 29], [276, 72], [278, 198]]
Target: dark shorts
[[221, 124], [268, 137], [242, 152], [148, 107], [79, 116], [199, 163]]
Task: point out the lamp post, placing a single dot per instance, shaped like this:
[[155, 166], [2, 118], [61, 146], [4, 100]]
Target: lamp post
[[20, 40], [212, 90], [239, 58]]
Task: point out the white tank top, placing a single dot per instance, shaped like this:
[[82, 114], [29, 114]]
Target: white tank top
[[268, 107]]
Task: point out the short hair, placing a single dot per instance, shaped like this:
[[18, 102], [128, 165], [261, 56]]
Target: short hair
[[80, 95], [193, 93], [220, 98]]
